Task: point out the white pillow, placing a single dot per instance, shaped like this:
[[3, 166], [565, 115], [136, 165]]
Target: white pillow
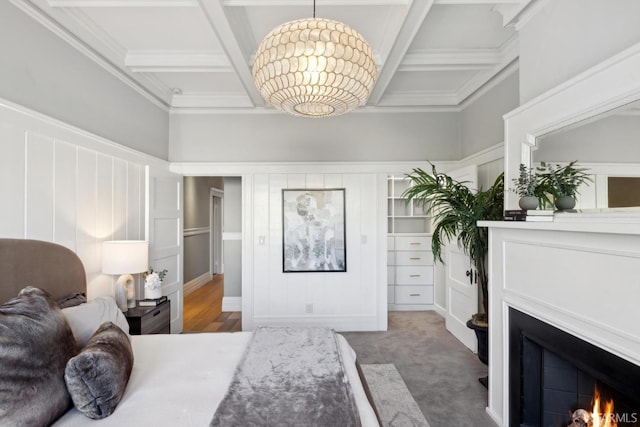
[[85, 319]]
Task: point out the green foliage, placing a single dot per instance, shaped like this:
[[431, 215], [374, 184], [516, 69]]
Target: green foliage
[[531, 182], [161, 274], [564, 180], [456, 210]]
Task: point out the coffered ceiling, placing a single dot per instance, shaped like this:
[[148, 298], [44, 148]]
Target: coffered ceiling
[[197, 54]]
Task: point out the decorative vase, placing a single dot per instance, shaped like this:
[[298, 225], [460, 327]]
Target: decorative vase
[[528, 203], [152, 293], [565, 202]]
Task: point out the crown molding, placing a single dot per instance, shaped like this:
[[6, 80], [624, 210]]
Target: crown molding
[[450, 60], [122, 3], [185, 111], [417, 98], [306, 3], [207, 100], [177, 61]]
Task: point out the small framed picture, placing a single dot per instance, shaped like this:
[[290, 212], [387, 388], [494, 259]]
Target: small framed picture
[[313, 230]]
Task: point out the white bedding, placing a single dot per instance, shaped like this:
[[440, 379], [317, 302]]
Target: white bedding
[[179, 380]]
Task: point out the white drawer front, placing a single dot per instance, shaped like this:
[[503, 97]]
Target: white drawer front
[[391, 294], [414, 294], [415, 243], [391, 275], [414, 258], [409, 275]]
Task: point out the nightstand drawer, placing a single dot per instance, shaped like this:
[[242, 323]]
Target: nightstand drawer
[[414, 295], [150, 320]]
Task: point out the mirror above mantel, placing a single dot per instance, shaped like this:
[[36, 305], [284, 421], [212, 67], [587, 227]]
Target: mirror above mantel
[[608, 147], [573, 121]]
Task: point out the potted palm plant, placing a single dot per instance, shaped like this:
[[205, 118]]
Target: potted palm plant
[[456, 210]]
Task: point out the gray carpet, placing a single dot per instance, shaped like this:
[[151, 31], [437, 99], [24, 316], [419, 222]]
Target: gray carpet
[[393, 400], [441, 373]]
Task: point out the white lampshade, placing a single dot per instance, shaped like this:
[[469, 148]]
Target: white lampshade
[[125, 256]]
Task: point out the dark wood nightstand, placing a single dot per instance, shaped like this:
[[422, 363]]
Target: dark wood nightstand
[[150, 320]]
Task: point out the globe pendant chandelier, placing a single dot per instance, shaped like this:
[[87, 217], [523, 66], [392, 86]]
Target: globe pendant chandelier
[[314, 67]]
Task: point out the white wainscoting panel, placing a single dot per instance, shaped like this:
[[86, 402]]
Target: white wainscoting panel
[[345, 301], [61, 184]]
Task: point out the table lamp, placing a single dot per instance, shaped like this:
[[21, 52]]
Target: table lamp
[[125, 257]]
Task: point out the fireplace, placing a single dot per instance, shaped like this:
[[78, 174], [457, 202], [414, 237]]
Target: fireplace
[[555, 373]]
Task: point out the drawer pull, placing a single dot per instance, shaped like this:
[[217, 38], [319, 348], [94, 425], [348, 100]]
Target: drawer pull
[[415, 258], [414, 295], [415, 243], [414, 275], [156, 313]]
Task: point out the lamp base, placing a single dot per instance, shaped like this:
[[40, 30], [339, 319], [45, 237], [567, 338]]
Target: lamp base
[[125, 292]]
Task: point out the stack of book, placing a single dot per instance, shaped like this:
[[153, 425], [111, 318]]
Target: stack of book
[[528, 215], [151, 302]]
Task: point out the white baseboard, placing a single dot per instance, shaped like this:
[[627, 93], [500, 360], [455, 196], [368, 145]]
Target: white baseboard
[[231, 303], [194, 284], [440, 310]]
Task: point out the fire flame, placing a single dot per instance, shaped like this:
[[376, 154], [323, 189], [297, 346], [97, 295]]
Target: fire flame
[[604, 418]]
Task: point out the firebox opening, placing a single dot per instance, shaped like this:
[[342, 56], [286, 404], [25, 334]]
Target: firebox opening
[[553, 373]]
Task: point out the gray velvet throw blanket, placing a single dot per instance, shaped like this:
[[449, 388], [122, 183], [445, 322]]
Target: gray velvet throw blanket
[[289, 377]]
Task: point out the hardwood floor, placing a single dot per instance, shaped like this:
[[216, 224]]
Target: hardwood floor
[[203, 310]]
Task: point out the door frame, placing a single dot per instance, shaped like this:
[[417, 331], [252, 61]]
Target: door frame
[[215, 234]]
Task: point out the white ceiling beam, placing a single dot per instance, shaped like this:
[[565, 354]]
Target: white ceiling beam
[[122, 3], [214, 12], [509, 53], [177, 62], [416, 15]]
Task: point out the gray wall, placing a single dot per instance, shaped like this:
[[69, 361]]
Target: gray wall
[[196, 215], [570, 36], [482, 124], [232, 248], [42, 72], [279, 137]]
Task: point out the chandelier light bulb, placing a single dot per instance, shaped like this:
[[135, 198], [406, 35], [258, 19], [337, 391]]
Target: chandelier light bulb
[[314, 67]]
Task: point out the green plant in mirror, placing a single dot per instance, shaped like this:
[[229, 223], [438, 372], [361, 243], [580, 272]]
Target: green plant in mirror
[[531, 183], [564, 180], [455, 210]]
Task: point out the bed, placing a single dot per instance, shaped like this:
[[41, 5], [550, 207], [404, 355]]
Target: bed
[[176, 380]]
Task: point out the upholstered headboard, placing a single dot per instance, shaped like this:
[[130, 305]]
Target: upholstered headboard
[[44, 265]]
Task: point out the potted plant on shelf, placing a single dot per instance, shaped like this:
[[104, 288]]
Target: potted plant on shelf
[[563, 183], [456, 210], [531, 188]]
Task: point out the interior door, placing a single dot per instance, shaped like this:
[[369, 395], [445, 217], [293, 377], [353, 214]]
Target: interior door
[[460, 283], [164, 232]]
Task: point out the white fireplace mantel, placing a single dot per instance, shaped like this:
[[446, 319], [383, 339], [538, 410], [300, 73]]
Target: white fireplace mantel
[[580, 274]]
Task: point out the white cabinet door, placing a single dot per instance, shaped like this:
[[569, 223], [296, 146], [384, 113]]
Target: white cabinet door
[[462, 296]]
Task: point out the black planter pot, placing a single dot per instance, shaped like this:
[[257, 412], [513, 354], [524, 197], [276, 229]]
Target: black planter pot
[[482, 334]]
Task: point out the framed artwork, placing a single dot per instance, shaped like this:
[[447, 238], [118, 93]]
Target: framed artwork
[[313, 230]]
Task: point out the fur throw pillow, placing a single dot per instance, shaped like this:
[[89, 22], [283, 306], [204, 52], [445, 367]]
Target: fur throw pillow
[[97, 377], [35, 345]]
